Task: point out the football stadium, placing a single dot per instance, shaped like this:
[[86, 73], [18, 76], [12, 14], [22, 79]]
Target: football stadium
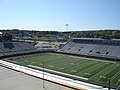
[[59, 44], [80, 64]]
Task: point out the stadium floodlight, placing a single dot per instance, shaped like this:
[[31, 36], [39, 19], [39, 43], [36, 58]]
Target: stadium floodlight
[[66, 26]]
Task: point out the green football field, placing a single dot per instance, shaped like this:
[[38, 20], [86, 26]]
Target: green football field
[[97, 71]]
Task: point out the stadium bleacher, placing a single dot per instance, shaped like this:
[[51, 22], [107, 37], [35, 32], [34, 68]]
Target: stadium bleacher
[[99, 50], [114, 52], [87, 49], [67, 47], [76, 48], [90, 48], [82, 47], [15, 48]]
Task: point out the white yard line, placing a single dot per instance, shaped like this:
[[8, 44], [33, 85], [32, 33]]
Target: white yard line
[[107, 73], [118, 81], [90, 59], [58, 72], [115, 75]]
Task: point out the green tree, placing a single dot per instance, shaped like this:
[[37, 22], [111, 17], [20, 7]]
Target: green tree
[[115, 34]]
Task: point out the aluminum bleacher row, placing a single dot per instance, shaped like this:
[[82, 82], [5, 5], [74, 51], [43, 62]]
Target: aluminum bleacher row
[[91, 49], [15, 48]]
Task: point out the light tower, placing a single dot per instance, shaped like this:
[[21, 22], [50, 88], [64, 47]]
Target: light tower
[[66, 26]]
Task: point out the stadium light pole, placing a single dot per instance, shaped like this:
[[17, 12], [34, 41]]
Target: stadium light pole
[[43, 78], [66, 26]]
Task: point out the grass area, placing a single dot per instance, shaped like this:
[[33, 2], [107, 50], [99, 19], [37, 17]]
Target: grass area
[[97, 71], [46, 39]]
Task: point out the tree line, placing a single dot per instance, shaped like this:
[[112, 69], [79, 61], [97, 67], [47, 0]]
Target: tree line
[[106, 34]]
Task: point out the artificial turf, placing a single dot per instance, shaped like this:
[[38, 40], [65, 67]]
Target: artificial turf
[[95, 70]]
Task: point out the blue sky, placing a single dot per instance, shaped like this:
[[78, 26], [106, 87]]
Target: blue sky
[[54, 14]]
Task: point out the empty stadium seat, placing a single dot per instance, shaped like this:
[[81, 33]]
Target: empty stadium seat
[[92, 49], [14, 48]]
